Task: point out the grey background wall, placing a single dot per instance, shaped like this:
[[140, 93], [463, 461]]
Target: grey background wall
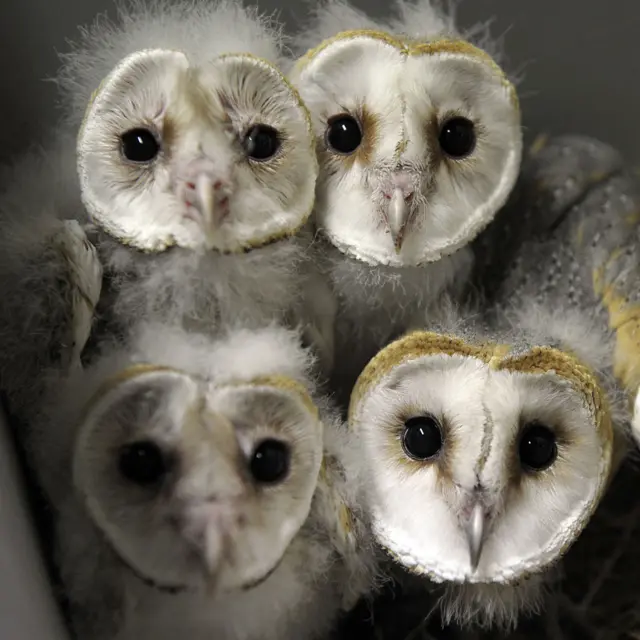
[[580, 59]]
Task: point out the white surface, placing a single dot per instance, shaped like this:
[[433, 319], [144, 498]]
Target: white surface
[[27, 608]]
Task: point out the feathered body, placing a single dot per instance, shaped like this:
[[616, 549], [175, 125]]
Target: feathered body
[[149, 560], [547, 314], [418, 137]]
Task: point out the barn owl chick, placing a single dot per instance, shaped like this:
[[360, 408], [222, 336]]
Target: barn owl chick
[[196, 481], [488, 449], [197, 172], [198, 168], [419, 142]]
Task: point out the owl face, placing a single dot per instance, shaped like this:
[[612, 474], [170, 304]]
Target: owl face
[[484, 468], [197, 485], [419, 144], [218, 156]]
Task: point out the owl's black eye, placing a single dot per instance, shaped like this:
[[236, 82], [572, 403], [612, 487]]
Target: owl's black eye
[[422, 437], [457, 137], [139, 145], [261, 142], [270, 462], [343, 134], [537, 448], [142, 463]]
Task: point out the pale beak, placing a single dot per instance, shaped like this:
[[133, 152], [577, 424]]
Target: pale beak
[[208, 209], [397, 217], [213, 547], [475, 534]]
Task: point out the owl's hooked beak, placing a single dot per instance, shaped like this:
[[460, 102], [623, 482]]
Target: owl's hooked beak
[[398, 215], [212, 207], [398, 191], [475, 534], [209, 527], [206, 197]]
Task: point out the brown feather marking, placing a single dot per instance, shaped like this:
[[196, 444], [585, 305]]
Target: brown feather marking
[[169, 134], [369, 126]]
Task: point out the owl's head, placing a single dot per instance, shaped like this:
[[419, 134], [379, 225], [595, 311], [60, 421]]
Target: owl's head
[[484, 464], [196, 484], [419, 143], [216, 155]]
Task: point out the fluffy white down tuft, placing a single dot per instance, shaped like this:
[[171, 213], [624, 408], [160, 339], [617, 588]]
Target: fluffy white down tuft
[[493, 606], [200, 28], [419, 19], [240, 355], [573, 330]]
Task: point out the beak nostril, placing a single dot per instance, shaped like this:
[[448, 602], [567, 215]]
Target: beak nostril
[[387, 196]]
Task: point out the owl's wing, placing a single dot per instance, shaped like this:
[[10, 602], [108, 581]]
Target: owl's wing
[[50, 276], [85, 280], [557, 174], [582, 207]]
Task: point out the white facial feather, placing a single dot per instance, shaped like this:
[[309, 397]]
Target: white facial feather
[[198, 167], [150, 209], [206, 525], [398, 212], [201, 520], [215, 156]]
